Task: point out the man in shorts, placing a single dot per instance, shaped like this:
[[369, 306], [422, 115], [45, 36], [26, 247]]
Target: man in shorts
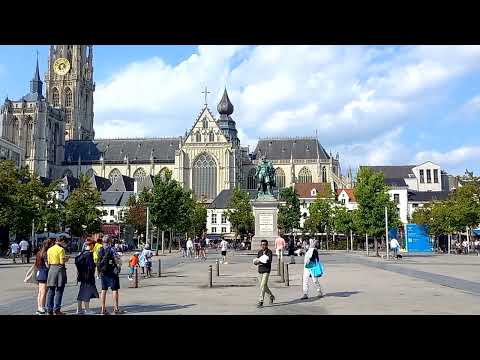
[[223, 248], [109, 267]]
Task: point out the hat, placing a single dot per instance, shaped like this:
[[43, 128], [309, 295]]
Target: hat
[[136, 253]]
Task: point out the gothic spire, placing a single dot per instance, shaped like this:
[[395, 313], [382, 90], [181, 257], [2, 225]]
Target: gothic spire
[[225, 107], [36, 83]]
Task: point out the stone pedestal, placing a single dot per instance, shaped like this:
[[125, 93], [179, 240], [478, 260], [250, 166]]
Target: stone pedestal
[[265, 211]]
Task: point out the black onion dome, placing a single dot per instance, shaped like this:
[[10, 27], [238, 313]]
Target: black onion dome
[[225, 107]]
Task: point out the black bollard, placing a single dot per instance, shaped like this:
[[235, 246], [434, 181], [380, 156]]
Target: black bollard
[[287, 276], [159, 267], [217, 265], [210, 282], [278, 266], [136, 278], [282, 272]]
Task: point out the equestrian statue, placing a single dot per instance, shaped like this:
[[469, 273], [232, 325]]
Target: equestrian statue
[[265, 175]]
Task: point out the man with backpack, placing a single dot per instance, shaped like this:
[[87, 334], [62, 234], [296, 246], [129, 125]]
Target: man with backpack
[[109, 268]]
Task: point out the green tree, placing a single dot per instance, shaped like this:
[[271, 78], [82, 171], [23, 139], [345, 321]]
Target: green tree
[[465, 206], [372, 197], [136, 215], [167, 195], [321, 214], [81, 212], [239, 213], [342, 220], [289, 213], [199, 219]]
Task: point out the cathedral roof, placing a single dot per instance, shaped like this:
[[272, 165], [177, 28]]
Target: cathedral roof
[[115, 150], [286, 148], [100, 183], [116, 198], [122, 183], [145, 184], [225, 107]]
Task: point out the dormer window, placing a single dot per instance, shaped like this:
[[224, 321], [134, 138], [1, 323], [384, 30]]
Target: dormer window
[[313, 192], [198, 137]]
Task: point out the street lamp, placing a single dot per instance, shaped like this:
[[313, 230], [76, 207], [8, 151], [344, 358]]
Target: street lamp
[[386, 231]]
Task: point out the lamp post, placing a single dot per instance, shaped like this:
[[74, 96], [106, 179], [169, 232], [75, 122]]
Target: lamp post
[[386, 230]]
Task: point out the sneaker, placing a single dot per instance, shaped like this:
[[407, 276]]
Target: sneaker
[[118, 312], [260, 304], [272, 299], [80, 312], [50, 312], [41, 312], [304, 297], [58, 312]]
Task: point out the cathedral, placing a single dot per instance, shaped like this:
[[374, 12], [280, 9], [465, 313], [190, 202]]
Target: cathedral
[[56, 134]]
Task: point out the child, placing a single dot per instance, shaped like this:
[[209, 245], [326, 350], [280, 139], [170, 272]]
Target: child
[[132, 264]]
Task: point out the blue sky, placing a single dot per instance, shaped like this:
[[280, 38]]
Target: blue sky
[[372, 104]]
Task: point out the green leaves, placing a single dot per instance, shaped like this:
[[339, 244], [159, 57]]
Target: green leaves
[[239, 212], [289, 214], [81, 213]]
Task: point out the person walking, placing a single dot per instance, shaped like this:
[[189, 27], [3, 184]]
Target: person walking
[[190, 248], [476, 244], [142, 262], [42, 275], [57, 276], [279, 246], [203, 248], [465, 247], [223, 249], [395, 247], [147, 255], [86, 277], [109, 266], [183, 247], [312, 269], [291, 249], [197, 247], [24, 251], [14, 249], [264, 262]]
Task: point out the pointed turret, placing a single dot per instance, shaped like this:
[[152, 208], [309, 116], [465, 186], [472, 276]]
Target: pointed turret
[[36, 84], [225, 122]]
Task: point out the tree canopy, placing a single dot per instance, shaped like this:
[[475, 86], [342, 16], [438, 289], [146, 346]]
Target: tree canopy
[[239, 212], [289, 213]]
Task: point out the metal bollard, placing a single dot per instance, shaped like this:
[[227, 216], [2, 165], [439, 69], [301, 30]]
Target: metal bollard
[[217, 267], [136, 278], [282, 272], [278, 266], [287, 276], [159, 267], [210, 283]]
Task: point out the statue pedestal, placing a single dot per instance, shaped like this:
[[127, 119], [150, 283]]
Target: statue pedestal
[[265, 210]]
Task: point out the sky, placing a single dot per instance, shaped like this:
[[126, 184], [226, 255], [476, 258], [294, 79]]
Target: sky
[[374, 105]]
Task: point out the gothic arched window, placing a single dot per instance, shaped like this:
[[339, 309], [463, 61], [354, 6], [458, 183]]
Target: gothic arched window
[[205, 122], [28, 136], [139, 174], [211, 137], [162, 173], [68, 97], [68, 116], [55, 97], [198, 137], [324, 174], [251, 180], [114, 175], [304, 176], [204, 177], [15, 127], [280, 178]]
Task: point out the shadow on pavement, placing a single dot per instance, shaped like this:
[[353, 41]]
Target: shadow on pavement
[[342, 294], [136, 309]]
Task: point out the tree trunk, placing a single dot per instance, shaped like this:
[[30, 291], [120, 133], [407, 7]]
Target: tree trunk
[[170, 242], [375, 244], [163, 242]]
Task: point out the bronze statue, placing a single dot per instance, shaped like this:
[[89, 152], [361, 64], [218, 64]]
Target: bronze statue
[[265, 175]]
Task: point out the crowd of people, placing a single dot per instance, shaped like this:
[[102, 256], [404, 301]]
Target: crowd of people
[[465, 247], [98, 255]]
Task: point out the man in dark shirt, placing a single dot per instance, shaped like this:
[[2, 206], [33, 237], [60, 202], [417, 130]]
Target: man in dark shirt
[[110, 268], [264, 268]]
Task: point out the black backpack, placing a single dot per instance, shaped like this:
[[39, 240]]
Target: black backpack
[[107, 262], [81, 264]]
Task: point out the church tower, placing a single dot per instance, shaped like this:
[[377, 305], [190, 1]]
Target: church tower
[[69, 85]]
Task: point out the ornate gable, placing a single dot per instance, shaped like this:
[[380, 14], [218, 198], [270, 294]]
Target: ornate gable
[[205, 129]]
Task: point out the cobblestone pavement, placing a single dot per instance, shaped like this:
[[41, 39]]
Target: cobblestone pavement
[[353, 283]]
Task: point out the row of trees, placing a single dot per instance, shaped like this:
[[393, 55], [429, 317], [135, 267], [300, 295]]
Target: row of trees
[[459, 212], [172, 209], [329, 217], [28, 204]]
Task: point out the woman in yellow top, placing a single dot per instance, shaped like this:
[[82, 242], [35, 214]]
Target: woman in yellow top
[[96, 249], [57, 276]]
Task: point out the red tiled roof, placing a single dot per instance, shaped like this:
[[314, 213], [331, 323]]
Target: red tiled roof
[[304, 190], [349, 192]]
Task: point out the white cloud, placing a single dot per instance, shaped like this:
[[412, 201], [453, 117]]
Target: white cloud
[[355, 96], [452, 159], [119, 129]]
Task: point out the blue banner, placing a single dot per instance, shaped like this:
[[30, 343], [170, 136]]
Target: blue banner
[[417, 239]]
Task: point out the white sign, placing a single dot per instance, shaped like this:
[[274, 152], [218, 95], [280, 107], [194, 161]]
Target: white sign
[[266, 223]]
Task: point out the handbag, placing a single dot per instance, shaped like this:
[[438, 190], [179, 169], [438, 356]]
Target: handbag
[[30, 276], [316, 269]]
